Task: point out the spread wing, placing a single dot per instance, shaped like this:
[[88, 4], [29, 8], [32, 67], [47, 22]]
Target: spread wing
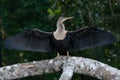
[[90, 37], [30, 40]]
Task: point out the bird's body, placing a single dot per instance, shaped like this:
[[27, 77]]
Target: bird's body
[[62, 45], [60, 40]]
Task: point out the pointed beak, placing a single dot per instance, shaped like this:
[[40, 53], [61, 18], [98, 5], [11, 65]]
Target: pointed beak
[[67, 18]]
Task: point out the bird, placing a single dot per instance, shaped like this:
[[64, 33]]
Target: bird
[[60, 40]]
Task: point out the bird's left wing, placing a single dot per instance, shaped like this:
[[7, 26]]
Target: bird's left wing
[[30, 40], [90, 37]]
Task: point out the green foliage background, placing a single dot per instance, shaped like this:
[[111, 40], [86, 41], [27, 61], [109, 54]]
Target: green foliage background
[[19, 15]]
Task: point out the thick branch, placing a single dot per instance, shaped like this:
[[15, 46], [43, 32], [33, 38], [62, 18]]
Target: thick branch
[[68, 64]]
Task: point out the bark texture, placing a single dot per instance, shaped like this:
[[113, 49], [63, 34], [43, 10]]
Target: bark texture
[[69, 65]]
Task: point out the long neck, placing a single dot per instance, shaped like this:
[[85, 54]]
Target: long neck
[[60, 27]]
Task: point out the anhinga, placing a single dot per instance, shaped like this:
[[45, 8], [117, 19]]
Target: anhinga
[[60, 40]]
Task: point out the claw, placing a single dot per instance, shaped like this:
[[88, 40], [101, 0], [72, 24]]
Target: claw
[[68, 55], [58, 55]]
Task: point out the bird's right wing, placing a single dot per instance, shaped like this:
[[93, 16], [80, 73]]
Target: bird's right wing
[[90, 37], [30, 40]]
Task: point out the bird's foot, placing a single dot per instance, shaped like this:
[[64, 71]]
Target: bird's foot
[[58, 55], [68, 55]]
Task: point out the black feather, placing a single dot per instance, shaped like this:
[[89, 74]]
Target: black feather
[[90, 37], [40, 41], [30, 40]]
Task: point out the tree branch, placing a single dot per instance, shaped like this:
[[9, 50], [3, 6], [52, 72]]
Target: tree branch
[[69, 65]]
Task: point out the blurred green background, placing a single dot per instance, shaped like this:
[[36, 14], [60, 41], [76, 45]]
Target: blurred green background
[[19, 15]]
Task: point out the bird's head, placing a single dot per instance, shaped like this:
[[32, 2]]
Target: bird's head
[[62, 19]]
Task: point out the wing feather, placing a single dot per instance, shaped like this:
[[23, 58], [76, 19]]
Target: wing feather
[[90, 37], [30, 40]]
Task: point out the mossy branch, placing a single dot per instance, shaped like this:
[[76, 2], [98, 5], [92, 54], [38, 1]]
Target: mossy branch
[[69, 65]]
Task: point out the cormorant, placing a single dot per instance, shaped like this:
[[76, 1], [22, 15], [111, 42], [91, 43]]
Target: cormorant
[[60, 40]]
